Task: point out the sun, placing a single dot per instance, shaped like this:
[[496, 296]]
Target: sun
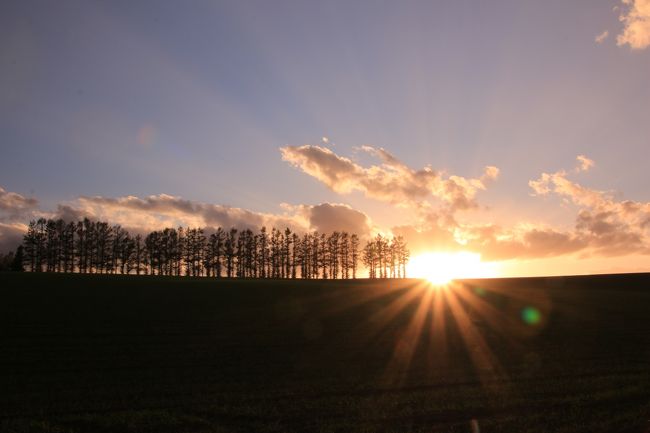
[[440, 268]]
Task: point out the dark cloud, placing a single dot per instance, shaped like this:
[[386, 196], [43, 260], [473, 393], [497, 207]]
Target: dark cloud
[[11, 236], [328, 217], [609, 235], [164, 210], [495, 243], [68, 213]]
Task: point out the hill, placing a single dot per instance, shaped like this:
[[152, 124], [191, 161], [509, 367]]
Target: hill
[[108, 353]]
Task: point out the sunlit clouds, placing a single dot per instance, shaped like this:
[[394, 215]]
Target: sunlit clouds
[[391, 181], [11, 235], [584, 163], [157, 211], [445, 245], [636, 21], [14, 204], [601, 37], [607, 225], [15, 211], [603, 226], [514, 130]]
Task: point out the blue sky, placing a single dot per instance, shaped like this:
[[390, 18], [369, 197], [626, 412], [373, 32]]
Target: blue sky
[[194, 99]]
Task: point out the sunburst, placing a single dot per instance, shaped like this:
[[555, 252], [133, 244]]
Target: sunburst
[[440, 268]]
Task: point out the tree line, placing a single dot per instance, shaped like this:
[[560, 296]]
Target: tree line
[[87, 246], [12, 261]]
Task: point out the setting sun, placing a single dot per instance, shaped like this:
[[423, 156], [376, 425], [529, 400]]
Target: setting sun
[[441, 268]]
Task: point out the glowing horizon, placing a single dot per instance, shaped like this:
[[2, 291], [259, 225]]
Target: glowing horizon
[[528, 151], [441, 268]]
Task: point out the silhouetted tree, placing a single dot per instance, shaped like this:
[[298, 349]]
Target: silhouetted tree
[[18, 258], [138, 255], [295, 253], [229, 251], [96, 247]]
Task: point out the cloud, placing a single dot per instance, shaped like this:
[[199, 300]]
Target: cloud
[[606, 225], [163, 210], [327, 217], [603, 227], [11, 235], [14, 210], [601, 37], [159, 211], [636, 22], [154, 212], [584, 163], [391, 181], [493, 242], [609, 234], [524, 242], [14, 205]]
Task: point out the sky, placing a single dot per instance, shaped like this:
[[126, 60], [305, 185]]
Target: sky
[[516, 130]]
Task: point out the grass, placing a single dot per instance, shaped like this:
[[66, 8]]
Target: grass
[[107, 353]]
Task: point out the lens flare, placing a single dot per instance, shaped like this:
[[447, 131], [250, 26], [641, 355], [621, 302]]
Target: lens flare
[[531, 315]]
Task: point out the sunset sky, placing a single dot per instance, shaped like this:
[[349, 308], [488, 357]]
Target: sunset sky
[[516, 130]]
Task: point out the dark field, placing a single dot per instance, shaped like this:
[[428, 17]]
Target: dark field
[[110, 354]]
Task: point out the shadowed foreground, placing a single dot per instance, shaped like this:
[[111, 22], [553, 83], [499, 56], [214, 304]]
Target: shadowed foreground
[[125, 353]]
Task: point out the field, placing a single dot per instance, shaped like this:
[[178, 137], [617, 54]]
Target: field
[[81, 353]]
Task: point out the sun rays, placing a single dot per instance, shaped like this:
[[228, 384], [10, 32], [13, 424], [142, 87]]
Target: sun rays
[[455, 325], [441, 331]]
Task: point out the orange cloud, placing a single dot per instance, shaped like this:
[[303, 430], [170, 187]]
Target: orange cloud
[[601, 37], [391, 181], [584, 163], [604, 226], [14, 209], [524, 242], [608, 226], [636, 21], [15, 204]]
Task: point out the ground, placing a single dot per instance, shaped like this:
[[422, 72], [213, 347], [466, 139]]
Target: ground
[[106, 353]]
